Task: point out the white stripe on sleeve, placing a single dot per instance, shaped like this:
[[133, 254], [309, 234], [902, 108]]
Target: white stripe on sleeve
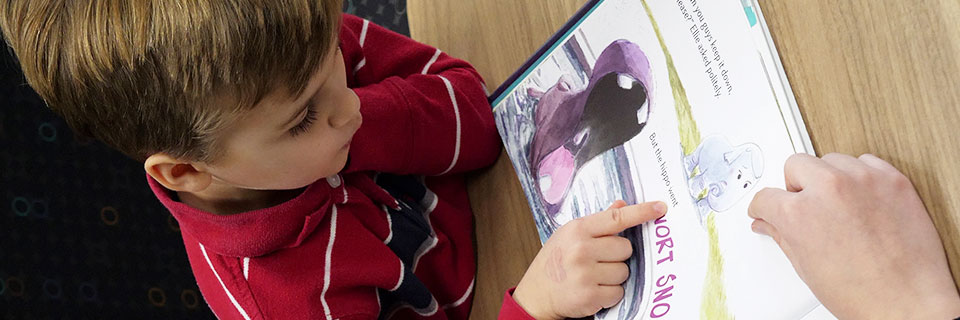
[[463, 298], [360, 65], [456, 110], [426, 68], [363, 32]]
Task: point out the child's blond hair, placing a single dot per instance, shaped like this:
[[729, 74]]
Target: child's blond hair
[[165, 75]]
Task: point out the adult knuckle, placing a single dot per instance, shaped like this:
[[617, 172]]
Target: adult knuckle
[[867, 157], [899, 177], [899, 180], [860, 174], [790, 205], [757, 203], [834, 181], [759, 195], [785, 208], [789, 208], [890, 169], [765, 193], [832, 156], [833, 178], [753, 202], [795, 159], [888, 176]]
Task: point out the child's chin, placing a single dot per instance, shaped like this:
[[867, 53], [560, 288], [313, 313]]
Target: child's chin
[[307, 178], [301, 181], [285, 185]]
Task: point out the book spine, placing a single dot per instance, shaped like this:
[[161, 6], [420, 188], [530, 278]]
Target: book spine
[[581, 13]]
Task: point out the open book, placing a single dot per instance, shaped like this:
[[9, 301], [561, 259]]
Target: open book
[[681, 101]]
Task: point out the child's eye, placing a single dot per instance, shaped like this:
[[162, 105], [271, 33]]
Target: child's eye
[[304, 125]]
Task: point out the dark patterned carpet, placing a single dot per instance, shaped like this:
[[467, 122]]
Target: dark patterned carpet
[[81, 236]]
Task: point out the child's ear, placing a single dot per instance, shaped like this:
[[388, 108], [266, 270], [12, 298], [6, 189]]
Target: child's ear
[[176, 174]]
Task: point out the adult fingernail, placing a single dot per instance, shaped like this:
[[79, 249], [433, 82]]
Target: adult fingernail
[[660, 208]]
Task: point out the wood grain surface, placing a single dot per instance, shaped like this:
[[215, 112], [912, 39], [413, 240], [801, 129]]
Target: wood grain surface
[[877, 76]]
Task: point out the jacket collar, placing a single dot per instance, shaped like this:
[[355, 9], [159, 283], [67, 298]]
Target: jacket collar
[[257, 232]]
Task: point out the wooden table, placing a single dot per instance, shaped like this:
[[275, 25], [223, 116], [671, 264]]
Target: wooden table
[[878, 76]]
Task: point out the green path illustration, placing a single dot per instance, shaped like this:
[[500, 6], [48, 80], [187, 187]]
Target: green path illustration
[[714, 303], [689, 134]]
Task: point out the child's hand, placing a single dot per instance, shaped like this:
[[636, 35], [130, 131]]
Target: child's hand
[[580, 269], [859, 236]]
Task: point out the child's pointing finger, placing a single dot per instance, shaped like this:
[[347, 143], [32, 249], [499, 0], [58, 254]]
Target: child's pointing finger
[[616, 219]]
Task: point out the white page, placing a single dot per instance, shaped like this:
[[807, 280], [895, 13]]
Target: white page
[[736, 113]]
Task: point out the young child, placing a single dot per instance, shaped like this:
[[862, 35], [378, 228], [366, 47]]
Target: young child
[[277, 134]]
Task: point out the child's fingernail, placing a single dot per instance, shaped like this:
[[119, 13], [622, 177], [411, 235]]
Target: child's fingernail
[[660, 207]]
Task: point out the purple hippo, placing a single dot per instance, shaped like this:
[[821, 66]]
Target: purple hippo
[[575, 126]]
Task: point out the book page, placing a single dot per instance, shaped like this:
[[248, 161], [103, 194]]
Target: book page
[[668, 101], [769, 58]]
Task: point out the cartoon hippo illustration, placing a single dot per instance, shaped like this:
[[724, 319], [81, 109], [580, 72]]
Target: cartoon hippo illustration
[[726, 173], [574, 125]]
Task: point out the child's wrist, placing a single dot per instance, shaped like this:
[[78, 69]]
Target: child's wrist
[[531, 306]]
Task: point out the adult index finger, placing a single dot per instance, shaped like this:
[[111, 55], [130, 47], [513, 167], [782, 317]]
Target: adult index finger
[[615, 220]]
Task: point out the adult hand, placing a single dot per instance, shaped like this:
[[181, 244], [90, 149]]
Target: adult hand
[[859, 236], [581, 268]]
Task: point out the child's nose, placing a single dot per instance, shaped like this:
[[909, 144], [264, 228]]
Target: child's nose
[[348, 113]]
